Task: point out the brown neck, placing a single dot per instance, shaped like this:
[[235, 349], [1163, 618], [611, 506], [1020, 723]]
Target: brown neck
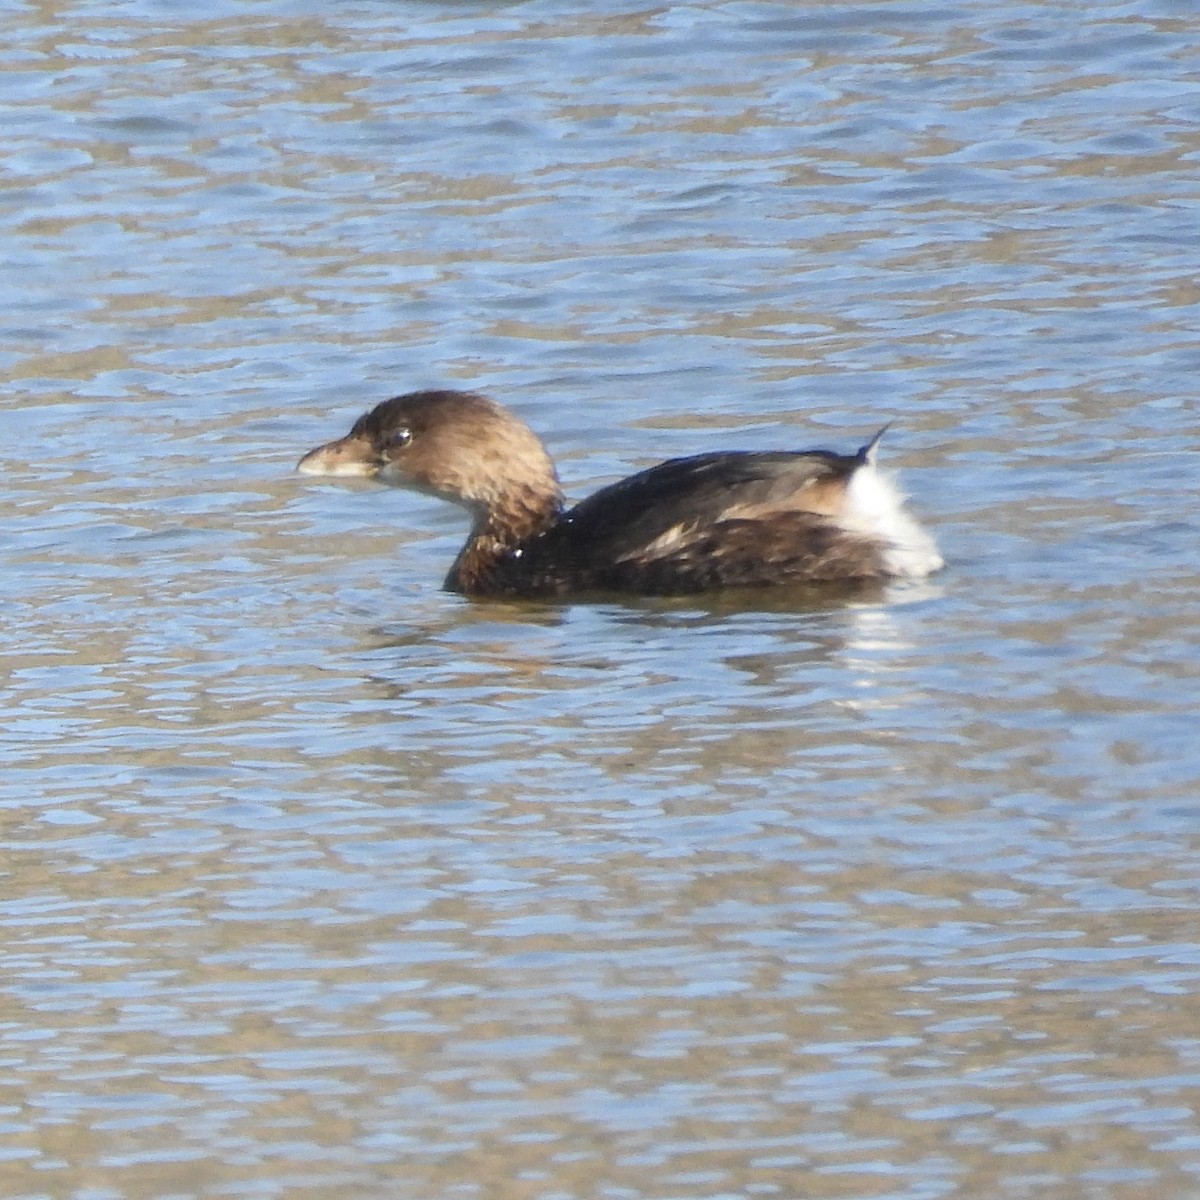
[[497, 531]]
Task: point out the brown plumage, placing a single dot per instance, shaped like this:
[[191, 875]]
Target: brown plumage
[[729, 519]]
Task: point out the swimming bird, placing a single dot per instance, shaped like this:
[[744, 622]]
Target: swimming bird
[[719, 520]]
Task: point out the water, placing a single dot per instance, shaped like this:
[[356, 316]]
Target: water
[[318, 881]]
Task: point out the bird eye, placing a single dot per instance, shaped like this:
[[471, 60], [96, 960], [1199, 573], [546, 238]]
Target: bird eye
[[399, 439]]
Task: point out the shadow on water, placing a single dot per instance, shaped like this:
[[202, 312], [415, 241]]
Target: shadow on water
[[587, 700]]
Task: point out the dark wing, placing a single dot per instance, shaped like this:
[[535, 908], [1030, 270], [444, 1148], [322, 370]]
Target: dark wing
[[698, 491], [713, 520]]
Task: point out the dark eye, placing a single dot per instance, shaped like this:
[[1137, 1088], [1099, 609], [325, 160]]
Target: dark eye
[[399, 439]]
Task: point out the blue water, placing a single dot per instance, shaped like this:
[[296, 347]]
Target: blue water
[[318, 880]]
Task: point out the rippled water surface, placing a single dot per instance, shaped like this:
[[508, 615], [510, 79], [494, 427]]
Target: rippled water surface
[[319, 881]]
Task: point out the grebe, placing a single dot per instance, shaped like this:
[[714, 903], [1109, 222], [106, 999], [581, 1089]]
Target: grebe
[[727, 519]]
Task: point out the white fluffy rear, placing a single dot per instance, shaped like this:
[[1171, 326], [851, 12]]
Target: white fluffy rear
[[876, 509]]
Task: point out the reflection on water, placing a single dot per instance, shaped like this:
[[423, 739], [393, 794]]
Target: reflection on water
[[318, 879]]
